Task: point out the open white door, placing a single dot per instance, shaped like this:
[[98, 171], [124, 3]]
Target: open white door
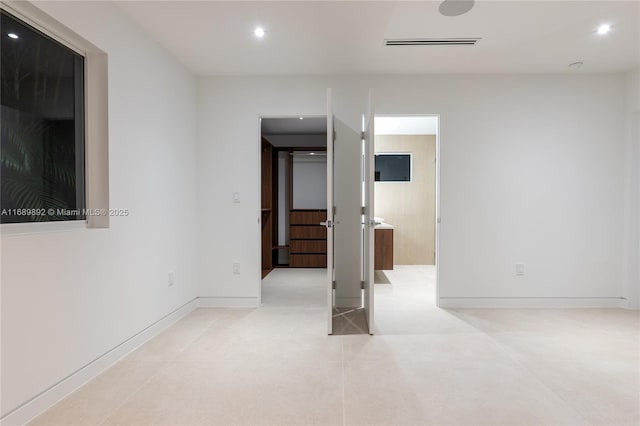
[[368, 211], [330, 210]]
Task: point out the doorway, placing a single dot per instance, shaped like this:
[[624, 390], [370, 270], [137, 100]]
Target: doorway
[[293, 197], [405, 209], [345, 285]]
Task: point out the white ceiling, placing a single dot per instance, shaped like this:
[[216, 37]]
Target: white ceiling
[[412, 125], [347, 37]]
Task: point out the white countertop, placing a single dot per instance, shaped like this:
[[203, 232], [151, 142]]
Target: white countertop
[[384, 226]]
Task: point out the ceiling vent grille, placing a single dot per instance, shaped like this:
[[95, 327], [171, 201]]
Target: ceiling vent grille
[[469, 41]]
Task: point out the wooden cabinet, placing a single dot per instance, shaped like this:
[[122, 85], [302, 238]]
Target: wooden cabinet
[[308, 246], [383, 257], [304, 232], [307, 239]]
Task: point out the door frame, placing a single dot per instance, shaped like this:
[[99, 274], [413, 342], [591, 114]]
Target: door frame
[[438, 182], [259, 188]]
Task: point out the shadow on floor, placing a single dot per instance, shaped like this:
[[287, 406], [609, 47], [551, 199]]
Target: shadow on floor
[[380, 277], [349, 321]]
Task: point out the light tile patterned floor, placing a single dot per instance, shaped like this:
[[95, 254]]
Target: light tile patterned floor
[[276, 365]]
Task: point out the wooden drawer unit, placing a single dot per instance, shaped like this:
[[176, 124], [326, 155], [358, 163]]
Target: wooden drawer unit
[[308, 246], [303, 232], [307, 239], [383, 256], [308, 260], [307, 217]]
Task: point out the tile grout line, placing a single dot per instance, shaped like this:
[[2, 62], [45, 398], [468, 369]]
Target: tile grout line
[[521, 363], [163, 365]]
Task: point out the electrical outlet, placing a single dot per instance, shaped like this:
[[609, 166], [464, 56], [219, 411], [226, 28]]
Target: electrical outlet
[[172, 278], [519, 269], [236, 268]]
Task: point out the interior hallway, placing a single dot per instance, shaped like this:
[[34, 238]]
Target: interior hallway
[[276, 365]]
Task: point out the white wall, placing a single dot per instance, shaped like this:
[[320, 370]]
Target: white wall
[[632, 190], [228, 115], [531, 171], [69, 297], [309, 182]]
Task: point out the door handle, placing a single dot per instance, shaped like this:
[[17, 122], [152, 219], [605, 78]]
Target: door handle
[[371, 223], [330, 223]]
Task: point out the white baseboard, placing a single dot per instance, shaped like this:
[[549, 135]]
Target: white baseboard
[[49, 397], [632, 304], [532, 302], [228, 302]]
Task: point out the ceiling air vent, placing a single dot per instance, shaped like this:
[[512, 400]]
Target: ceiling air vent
[[470, 41]]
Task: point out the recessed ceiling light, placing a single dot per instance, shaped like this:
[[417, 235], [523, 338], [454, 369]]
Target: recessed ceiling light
[[455, 7], [301, 118], [604, 29], [13, 35], [312, 153], [259, 32]]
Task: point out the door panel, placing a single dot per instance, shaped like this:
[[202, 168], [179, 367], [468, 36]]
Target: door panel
[[350, 252], [368, 216], [329, 220], [347, 237]]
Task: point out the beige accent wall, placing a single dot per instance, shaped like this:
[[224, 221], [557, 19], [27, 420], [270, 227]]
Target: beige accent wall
[[410, 206]]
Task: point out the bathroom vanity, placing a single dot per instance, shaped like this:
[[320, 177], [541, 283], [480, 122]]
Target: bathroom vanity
[[383, 257]]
